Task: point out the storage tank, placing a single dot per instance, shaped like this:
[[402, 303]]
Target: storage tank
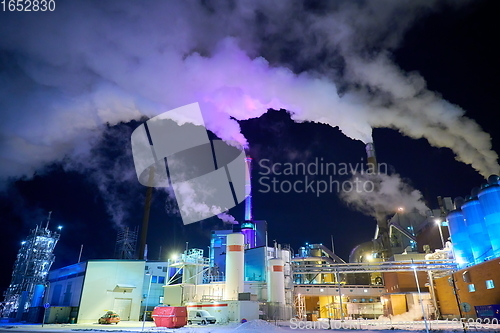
[[235, 265], [476, 228], [459, 238], [489, 197], [276, 281]]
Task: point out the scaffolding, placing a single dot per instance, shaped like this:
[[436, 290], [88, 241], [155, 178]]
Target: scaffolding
[[29, 276], [299, 305], [126, 243]]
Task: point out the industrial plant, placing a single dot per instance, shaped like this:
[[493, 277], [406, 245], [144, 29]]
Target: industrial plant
[[444, 264]]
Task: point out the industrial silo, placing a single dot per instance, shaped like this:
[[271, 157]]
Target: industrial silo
[[489, 197], [235, 265], [459, 237], [276, 281], [476, 228]]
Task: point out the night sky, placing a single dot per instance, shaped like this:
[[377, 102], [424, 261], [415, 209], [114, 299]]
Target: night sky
[[51, 85]]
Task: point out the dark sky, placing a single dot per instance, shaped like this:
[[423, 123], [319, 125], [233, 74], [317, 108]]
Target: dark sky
[[452, 48]]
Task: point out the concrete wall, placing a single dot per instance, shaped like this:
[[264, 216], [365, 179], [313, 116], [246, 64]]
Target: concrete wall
[[112, 285]]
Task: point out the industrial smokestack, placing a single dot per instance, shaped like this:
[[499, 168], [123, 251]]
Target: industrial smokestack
[[235, 265], [371, 158], [248, 189], [383, 228], [248, 227]]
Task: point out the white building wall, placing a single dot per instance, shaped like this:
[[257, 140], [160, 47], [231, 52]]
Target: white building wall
[[155, 272], [112, 285]]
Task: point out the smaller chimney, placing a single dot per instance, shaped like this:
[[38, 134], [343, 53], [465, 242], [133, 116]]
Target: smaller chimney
[[372, 158]]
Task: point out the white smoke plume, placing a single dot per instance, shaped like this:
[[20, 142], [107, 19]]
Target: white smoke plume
[[379, 195], [69, 72], [227, 218]]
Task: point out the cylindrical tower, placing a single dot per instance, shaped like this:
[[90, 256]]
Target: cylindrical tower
[[235, 265], [276, 281], [459, 238], [489, 197], [476, 228]]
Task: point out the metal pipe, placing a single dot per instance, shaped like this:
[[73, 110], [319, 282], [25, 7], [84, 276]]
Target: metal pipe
[[147, 301], [80, 255], [420, 299]]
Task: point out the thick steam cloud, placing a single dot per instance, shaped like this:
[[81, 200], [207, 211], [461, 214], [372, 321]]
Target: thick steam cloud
[[382, 195], [68, 73]]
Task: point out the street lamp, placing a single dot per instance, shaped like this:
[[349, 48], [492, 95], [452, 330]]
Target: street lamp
[[45, 296], [420, 296], [147, 301], [438, 221]]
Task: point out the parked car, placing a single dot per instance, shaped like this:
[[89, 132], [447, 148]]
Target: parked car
[[110, 317], [200, 317]]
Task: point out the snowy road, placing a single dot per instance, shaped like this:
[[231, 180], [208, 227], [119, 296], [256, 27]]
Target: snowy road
[[258, 326]]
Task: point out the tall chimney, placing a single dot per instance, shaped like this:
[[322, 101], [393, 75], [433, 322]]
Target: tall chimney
[[248, 227], [371, 158], [248, 190], [383, 227]]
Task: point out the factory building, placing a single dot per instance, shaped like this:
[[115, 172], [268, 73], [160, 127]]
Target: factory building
[[83, 292], [475, 234], [409, 267]]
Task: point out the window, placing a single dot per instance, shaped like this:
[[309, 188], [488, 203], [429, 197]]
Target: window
[[164, 269], [161, 279], [154, 279], [490, 284], [472, 288]]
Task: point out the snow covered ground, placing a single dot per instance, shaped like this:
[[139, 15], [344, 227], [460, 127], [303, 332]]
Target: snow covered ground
[[258, 326]]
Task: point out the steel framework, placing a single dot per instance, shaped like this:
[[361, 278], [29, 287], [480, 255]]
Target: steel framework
[[34, 259], [126, 243]]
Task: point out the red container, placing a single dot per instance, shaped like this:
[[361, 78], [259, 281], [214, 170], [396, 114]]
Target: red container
[[170, 316]]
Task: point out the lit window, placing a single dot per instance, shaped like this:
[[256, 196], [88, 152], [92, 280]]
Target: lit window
[[490, 284], [161, 279], [472, 288], [154, 279]]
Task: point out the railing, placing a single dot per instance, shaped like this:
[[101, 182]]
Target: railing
[[304, 267]]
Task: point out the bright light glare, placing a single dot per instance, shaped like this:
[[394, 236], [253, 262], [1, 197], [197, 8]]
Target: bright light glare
[[59, 227], [175, 257], [400, 209], [438, 221]]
